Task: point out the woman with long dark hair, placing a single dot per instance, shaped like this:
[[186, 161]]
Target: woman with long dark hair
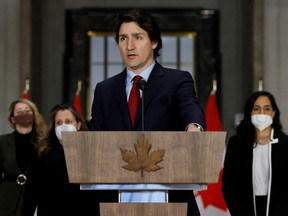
[[48, 187], [256, 161]]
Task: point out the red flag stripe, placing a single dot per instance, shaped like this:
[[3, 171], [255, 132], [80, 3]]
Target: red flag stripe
[[213, 195], [77, 103], [212, 114], [25, 95]]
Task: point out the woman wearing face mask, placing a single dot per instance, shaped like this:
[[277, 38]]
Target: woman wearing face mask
[[254, 182], [48, 186], [16, 152]]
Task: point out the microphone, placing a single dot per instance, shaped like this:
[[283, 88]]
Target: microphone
[[141, 84]]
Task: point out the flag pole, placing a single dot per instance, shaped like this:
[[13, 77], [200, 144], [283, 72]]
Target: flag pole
[[214, 89], [260, 84], [214, 84], [79, 86], [25, 93], [27, 86]]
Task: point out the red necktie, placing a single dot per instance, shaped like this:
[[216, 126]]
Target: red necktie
[[134, 99]]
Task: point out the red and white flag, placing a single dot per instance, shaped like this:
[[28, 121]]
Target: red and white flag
[[77, 98], [211, 201], [25, 93]]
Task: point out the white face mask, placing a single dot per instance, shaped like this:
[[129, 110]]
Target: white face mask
[[64, 127], [261, 121]]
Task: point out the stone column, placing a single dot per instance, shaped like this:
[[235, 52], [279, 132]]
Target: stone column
[[275, 47], [258, 45], [25, 42], [9, 58]]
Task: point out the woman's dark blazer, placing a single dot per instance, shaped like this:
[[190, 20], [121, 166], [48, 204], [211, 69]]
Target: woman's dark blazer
[[9, 190], [237, 176]]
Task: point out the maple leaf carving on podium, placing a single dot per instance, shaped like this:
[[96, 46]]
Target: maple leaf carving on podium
[[142, 160]]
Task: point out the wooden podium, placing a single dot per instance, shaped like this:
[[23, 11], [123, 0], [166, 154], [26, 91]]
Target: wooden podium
[[167, 159]]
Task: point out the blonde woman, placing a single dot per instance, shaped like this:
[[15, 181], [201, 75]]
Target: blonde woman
[[16, 152]]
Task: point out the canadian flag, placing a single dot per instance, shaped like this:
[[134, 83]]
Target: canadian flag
[[211, 201], [77, 98], [25, 93]]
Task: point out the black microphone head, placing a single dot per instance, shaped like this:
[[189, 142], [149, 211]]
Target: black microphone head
[[141, 84]]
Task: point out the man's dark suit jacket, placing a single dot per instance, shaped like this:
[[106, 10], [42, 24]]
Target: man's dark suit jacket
[[170, 104]]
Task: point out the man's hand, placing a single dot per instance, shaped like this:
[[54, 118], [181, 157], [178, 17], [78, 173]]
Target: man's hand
[[194, 128]]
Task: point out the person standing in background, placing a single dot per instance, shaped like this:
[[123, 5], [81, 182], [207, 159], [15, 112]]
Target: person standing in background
[[254, 179], [16, 152], [170, 99], [48, 186]]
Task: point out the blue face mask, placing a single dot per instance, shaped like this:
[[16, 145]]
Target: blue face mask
[[64, 127], [261, 121]]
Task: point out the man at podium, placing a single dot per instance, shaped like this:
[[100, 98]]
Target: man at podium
[[146, 96]]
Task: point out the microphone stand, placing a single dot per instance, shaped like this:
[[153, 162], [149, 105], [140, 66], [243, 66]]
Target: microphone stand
[[141, 84]]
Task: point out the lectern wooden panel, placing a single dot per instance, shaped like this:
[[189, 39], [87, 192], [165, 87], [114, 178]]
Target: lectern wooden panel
[[143, 209], [189, 157]]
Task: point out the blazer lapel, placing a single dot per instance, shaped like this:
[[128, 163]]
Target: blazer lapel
[[121, 98], [151, 89], [11, 149], [153, 84]]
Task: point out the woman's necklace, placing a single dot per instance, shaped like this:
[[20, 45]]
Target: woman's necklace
[[262, 140]]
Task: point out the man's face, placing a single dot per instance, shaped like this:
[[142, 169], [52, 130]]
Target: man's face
[[135, 47]]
